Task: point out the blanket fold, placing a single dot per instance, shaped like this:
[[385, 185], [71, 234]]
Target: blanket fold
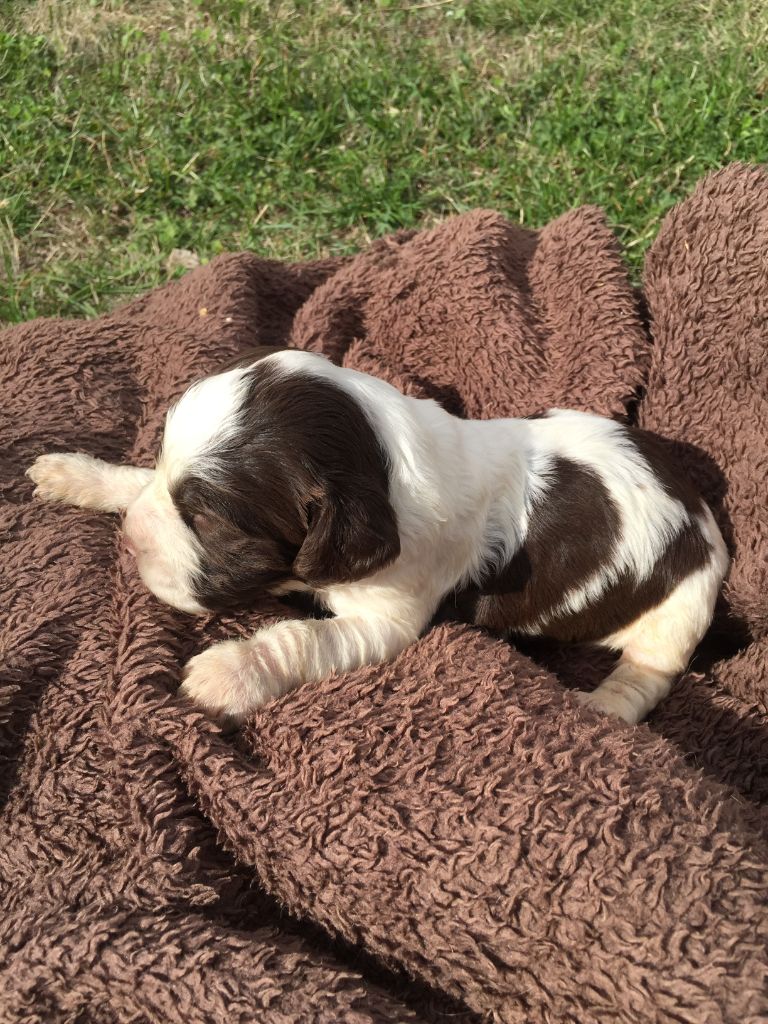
[[454, 816]]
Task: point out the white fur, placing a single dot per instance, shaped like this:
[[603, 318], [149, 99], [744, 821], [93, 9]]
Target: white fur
[[205, 416], [658, 645], [167, 552], [81, 480], [462, 492]]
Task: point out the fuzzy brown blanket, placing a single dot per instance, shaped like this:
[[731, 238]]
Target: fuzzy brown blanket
[[448, 837]]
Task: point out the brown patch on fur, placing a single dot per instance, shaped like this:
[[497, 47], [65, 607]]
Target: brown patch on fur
[[301, 492], [627, 599], [655, 451], [574, 529]]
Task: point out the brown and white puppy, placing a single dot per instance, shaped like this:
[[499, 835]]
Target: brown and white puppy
[[290, 473]]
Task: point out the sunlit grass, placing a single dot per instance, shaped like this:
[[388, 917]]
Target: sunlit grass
[[129, 129]]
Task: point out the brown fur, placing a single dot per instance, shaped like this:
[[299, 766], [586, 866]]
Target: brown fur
[[568, 539]]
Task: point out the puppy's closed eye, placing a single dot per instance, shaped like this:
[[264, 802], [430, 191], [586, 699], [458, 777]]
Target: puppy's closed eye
[[236, 565]]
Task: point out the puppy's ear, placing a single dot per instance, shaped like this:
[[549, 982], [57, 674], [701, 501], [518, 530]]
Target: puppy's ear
[[352, 533]]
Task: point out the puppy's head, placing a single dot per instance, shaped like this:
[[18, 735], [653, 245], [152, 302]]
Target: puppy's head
[[269, 478]]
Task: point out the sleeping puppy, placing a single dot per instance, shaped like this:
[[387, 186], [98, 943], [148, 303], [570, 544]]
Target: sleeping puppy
[[291, 473]]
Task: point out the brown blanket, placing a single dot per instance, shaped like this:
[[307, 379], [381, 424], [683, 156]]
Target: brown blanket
[[448, 837]]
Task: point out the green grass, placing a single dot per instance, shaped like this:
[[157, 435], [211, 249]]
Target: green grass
[[129, 129]]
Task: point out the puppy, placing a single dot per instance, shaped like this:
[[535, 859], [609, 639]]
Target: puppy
[[291, 473]]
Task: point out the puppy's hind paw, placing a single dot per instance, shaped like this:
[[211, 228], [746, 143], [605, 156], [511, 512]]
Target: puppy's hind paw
[[607, 703]]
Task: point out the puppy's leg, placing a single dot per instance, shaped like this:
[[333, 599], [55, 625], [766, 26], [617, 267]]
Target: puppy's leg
[[630, 691], [658, 646], [232, 678], [77, 479]]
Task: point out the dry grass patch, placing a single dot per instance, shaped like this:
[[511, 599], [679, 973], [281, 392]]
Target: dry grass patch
[[75, 27]]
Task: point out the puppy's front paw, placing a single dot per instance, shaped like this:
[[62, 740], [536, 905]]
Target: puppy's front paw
[[65, 477], [607, 702], [226, 681]]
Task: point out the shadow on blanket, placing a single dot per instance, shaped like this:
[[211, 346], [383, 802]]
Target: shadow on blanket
[[453, 817]]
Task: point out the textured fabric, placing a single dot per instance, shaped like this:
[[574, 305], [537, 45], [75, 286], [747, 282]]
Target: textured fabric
[[446, 837]]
